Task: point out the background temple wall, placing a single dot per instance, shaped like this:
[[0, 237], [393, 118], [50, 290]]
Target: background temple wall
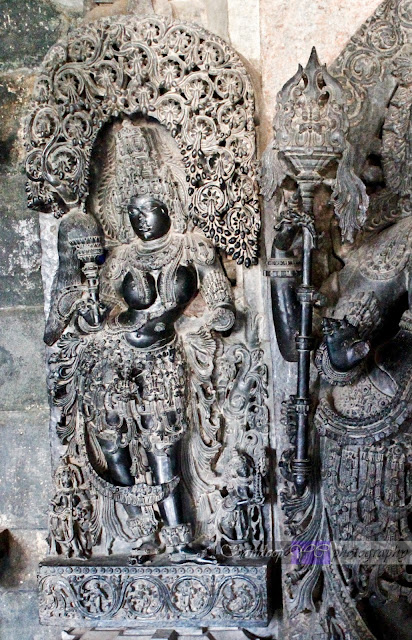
[[273, 36]]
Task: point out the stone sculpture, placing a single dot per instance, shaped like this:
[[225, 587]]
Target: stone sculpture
[[361, 498], [141, 140], [120, 374]]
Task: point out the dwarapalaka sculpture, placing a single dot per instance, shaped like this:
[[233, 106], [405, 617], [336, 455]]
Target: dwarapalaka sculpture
[[363, 414]]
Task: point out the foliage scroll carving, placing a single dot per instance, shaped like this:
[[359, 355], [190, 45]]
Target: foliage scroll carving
[[187, 79]]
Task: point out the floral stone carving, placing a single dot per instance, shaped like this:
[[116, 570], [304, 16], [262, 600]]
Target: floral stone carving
[[141, 142], [189, 80], [133, 597]]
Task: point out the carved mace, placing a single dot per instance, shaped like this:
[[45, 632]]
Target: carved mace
[[310, 126]]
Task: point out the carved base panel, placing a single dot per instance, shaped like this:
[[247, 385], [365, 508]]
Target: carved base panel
[[112, 594]]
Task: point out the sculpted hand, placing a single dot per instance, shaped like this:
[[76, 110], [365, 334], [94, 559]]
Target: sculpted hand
[[345, 348], [286, 232], [90, 314]]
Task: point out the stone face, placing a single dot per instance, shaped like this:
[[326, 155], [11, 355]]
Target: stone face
[[25, 475], [20, 256], [22, 370], [27, 30]]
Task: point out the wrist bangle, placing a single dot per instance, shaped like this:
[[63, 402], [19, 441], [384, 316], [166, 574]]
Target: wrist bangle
[[326, 370]]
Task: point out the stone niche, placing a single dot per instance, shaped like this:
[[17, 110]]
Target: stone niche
[[141, 143]]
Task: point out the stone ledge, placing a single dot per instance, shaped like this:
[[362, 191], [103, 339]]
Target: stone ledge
[[159, 634], [115, 595]]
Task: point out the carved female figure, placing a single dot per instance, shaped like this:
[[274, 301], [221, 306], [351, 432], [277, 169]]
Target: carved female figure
[[130, 375]]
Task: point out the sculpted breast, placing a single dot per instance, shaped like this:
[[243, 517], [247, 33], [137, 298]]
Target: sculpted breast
[[139, 290]]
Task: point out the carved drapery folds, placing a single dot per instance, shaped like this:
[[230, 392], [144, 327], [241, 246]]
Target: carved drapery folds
[[189, 80]]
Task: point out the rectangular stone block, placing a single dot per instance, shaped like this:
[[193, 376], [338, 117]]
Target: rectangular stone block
[[22, 360], [25, 475], [98, 594], [20, 253]]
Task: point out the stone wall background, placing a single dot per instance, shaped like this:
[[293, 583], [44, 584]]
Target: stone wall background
[[273, 36]]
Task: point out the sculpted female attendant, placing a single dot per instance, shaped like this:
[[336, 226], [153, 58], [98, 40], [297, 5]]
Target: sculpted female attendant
[[121, 376]]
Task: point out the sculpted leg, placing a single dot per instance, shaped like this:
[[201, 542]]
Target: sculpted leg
[[177, 531], [165, 466]]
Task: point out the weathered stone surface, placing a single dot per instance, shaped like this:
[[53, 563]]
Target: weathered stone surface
[[15, 90], [141, 7], [100, 635], [22, 370], [26, 548], [49, 228], [225, 634], [244, 29], [190, 10], [103, 10], [217, 18], [74, 6], [162, 8], [27, 30], [20, 256], [19, 617], [25, 485]]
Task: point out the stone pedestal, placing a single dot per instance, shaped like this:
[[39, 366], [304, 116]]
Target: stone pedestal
[[102, 594]]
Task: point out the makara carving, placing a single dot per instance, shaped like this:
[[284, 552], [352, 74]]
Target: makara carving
[[142, 132], [362, 412]]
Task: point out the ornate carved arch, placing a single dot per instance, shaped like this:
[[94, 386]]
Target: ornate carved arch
[[187, 79]]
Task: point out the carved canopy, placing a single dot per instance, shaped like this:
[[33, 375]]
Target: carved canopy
[[187, 79]]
